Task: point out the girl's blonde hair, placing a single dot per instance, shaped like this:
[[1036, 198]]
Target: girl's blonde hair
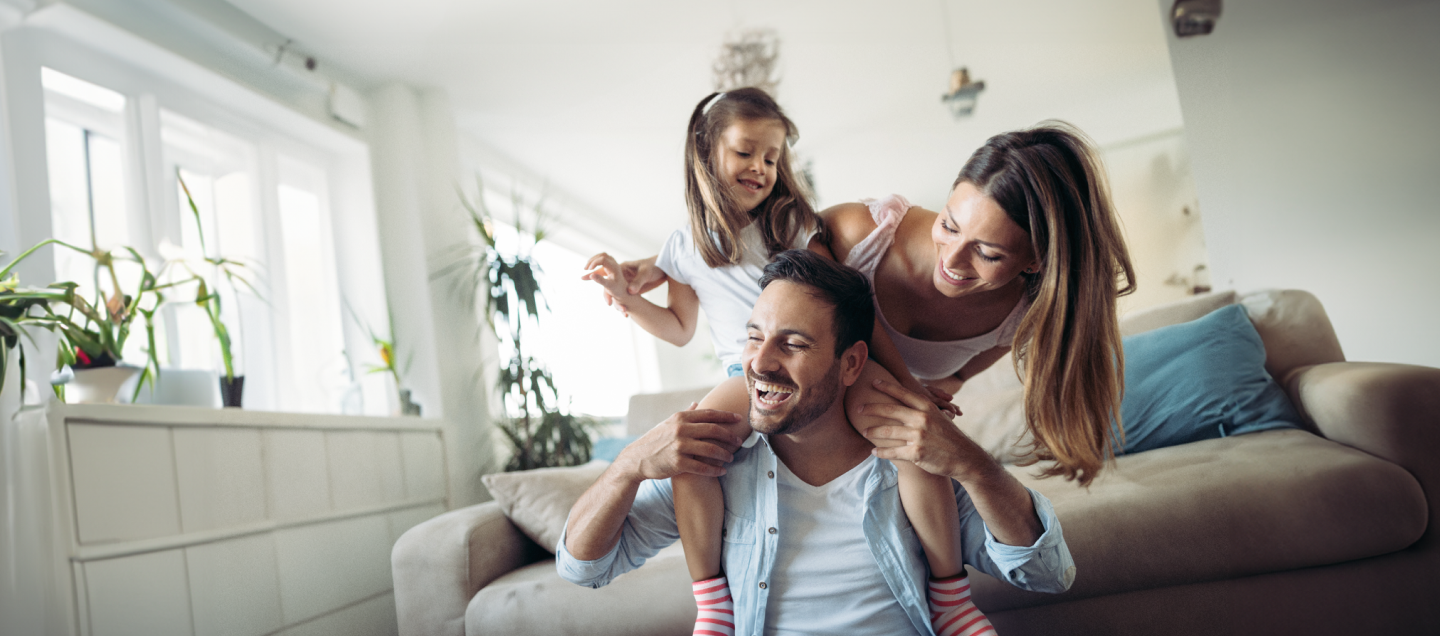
[[715, 218], [1067, 349]]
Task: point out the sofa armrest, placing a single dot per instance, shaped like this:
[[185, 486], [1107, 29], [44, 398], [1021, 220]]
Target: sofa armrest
[[1391, 411], [440, 564]]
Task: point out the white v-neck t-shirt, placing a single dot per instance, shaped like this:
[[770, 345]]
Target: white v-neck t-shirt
[[825, 580]]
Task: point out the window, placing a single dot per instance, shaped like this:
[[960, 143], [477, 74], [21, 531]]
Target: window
[[85, 144], [116, 164]]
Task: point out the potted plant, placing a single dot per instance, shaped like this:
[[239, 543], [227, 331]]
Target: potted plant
[[92, 333], [540, 432], [207, 297], [388, 363]]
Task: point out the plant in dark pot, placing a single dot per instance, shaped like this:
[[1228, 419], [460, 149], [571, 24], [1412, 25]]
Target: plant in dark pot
[[541, 433], [208, 298]]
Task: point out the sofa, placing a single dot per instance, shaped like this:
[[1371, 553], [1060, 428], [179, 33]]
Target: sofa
[[1324, 530]]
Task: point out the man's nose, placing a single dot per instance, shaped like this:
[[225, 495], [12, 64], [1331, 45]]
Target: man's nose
[[764, 360]]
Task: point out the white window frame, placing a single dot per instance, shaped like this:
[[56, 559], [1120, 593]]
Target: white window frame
[[151, 79]]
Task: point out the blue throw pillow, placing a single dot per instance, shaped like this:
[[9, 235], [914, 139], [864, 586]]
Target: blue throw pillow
[[1200, 380], [608, 448]]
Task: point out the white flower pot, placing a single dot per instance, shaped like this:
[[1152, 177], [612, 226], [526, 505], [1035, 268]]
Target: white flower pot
[[101, 385]]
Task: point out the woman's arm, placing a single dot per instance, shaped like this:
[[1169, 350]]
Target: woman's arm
[[982, 361]]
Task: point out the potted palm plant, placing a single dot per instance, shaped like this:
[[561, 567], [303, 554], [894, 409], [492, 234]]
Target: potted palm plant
[[540, 432]]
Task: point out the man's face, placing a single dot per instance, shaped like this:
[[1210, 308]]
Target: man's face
[[791, 369]]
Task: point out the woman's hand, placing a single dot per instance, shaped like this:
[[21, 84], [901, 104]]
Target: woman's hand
[[930, 440]]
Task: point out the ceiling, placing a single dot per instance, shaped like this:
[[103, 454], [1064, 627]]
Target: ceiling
[[594, 96]]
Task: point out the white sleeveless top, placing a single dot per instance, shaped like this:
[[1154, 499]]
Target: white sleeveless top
[[926, 359]]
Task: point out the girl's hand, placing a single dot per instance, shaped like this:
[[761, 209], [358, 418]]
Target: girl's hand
[[943, 400], [603, 269], [642, 274]]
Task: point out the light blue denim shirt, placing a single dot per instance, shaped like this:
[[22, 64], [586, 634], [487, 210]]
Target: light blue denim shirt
[[749, 548]]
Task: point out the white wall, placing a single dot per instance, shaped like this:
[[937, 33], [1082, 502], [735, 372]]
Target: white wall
[[1313, 136], [1153, 191]]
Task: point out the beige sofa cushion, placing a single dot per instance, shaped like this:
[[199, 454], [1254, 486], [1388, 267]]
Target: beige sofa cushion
[[653, 600], [539, 501], [1221, 509]]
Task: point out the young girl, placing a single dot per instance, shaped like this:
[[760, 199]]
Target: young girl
[[746, 205]]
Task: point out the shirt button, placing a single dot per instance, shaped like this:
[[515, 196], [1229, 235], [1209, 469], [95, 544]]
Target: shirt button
[[762, 585], [772, 531], [770, 474]]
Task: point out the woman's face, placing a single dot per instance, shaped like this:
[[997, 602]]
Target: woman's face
[[747, 155], [977, 247]]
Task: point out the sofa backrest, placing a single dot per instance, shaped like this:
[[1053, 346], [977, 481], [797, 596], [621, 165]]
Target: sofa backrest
[[1292, 324], [648, 409]]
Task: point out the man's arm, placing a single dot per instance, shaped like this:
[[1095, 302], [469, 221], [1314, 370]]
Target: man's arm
[[673, 447], [1018, 538], [939, 447]]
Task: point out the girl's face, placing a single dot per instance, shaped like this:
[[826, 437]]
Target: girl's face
[[977, 247], [746, 159]]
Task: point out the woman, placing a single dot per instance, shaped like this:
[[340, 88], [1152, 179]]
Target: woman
[[1027, 254]]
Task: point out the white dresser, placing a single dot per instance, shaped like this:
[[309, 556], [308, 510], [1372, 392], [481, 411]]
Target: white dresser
[[204, 522]]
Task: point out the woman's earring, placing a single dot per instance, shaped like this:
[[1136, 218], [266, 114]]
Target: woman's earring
[[1034, 269]]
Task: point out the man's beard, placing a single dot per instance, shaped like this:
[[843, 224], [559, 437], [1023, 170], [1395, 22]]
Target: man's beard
[[813, 404]]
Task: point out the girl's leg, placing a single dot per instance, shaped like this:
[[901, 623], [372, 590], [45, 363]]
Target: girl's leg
[[929, 503], [700, 515]]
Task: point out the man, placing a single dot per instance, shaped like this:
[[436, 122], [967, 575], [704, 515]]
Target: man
[[815, 538]]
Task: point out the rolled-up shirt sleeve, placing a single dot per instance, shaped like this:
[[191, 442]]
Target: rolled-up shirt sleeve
[[1044, 566], [648, 528]]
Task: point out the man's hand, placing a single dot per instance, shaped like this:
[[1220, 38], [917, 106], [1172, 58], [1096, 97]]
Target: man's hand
[[690, 441], [932, 442], [938, 447]]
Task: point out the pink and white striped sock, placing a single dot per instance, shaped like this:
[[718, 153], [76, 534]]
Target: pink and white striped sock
[[952, 613], [717, 610]]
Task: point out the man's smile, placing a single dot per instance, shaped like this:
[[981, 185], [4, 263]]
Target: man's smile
[[771, 395]]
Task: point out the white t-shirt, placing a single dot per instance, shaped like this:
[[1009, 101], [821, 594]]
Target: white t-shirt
[[825, 580], [727, 294]]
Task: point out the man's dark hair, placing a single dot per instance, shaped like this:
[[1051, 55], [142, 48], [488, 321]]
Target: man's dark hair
[[842, 287]]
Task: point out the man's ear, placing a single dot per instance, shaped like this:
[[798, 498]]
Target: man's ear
[[852, 361]]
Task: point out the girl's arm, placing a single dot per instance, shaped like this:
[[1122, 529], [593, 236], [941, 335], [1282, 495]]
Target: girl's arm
[[674, 323]]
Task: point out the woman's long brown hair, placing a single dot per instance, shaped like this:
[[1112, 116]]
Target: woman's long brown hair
[[1067, 348], [715, 218]]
